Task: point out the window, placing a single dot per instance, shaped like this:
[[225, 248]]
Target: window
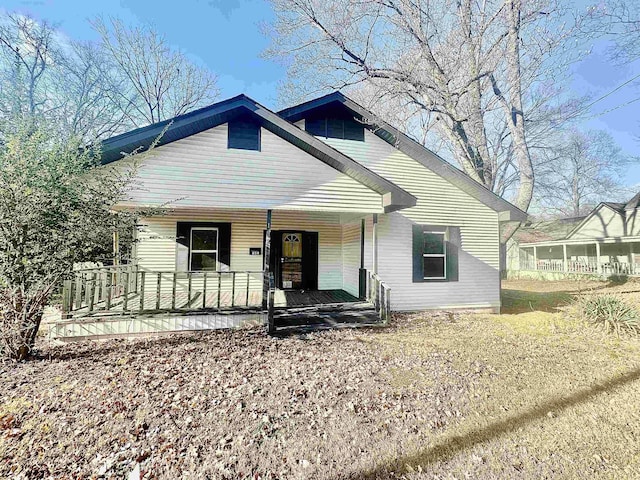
[[436, 249], [244, 134], [434, 255], [204, 249]]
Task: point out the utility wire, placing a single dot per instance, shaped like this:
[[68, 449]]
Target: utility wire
[[587, 107]]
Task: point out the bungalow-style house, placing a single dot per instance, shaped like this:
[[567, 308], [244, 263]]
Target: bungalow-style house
[[321, 203], [605, 242]]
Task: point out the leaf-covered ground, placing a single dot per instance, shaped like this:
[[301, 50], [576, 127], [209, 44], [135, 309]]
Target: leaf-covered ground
[[222, 404], [526, 394]]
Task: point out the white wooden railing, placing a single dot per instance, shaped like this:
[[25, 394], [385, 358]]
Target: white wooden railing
[[379, 294], [584, 267]]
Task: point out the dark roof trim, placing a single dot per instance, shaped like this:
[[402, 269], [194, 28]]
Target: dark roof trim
[[414, 150], [393, 197]]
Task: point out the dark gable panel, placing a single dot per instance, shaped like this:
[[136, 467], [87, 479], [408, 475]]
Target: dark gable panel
[[244, 134], [353, 129], [316, 126], [334, 122]]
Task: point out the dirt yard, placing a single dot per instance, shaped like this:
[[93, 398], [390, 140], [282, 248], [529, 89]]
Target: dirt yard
[[525, 394]]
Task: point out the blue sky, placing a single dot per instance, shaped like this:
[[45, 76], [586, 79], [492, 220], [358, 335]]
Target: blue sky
[[225, 36]]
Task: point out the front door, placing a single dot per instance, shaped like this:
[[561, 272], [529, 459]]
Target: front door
[[294, 259], [291, 261]]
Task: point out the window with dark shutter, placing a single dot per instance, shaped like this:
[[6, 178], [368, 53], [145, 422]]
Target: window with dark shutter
[[435, 253], [244, 134], [203, 246]]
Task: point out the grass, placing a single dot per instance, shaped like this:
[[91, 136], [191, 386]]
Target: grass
[[529, 393]]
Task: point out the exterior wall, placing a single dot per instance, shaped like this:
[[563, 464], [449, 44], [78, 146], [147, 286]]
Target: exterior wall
[[351, 257], [604, 223], [633, 222], [156, 248], [200, 171], [439, 203]]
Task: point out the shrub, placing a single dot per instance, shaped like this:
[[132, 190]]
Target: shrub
[[610, 312]]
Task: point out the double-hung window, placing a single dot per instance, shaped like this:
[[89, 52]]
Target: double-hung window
[[434, 255], [204, 249]]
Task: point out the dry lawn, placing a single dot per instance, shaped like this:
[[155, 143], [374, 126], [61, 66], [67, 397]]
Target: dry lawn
[[525, 394]]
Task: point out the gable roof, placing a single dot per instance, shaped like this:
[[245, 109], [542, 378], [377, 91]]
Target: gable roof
[[546, 230], [411, 148], [393, 197], [619, 208]]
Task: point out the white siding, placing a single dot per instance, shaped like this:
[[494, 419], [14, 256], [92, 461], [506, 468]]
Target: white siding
[[604, 223], [200, 171], [440, 203], [351, 257], [157, 241]]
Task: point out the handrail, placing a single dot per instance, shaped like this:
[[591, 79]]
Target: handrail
[[131, 289], [379, 293]]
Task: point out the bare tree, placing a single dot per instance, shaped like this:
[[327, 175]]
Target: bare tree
[[85, 98], [618, 20], [159, 82], [583, 170], [472, 70], [28, 54]]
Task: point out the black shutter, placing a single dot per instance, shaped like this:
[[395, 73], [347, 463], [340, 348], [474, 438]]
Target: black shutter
[[310, 260], [183, 239], [453, 248], [224, 244], [418, 244]]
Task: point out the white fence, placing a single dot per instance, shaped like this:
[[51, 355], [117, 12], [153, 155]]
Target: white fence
[[588, 268]]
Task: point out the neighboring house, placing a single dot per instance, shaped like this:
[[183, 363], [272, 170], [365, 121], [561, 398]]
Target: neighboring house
[[343, 196], [605, 242]]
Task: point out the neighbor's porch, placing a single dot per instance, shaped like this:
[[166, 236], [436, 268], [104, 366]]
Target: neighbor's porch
[[606, 257]]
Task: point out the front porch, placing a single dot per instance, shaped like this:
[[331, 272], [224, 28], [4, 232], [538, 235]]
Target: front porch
[[128, 301]]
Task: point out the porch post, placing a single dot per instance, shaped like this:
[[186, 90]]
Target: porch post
[[565, 263], [116, 247], [375, 243], [598, 265], [267, 262], [535, 257], [362, 273]]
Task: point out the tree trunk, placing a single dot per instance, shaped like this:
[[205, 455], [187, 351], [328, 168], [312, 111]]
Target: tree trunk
[[516, 125]]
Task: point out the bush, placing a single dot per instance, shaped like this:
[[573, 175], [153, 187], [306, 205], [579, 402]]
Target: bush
[[610, 312]]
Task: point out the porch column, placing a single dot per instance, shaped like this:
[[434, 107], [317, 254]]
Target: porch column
[[375, 243], [598, 265], [535, 257], [362, 273], [267, 261], [116, 247], [565, 263]]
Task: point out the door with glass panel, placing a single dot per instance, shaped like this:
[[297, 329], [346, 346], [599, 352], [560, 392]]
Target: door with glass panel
[[291, 261]]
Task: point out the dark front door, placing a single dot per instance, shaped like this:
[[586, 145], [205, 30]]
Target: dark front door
[[294, 259], [291, 261]]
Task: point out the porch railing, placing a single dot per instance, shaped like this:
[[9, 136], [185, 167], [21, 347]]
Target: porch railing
[[130, 289], [379, 294], [583, 267]]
